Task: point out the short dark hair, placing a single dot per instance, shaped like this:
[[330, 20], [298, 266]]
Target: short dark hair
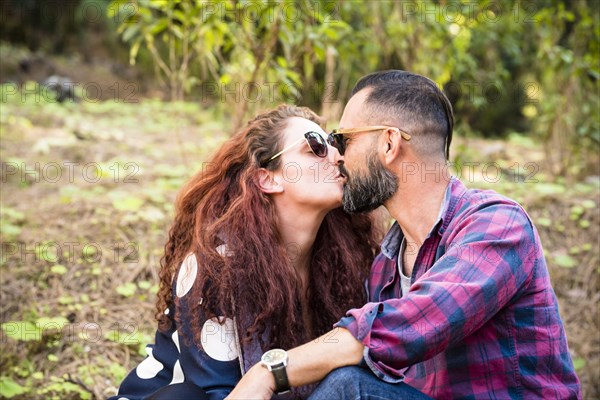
[[415, 101]]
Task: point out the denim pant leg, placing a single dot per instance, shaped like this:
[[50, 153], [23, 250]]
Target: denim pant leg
[[179, 391], [355, 383]]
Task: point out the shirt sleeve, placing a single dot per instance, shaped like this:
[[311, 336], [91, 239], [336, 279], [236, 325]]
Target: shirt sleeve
[[214, 366], [154, 372], [489, 261]]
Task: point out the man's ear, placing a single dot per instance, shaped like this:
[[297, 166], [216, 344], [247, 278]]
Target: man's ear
[[392, 144], [268, 182]]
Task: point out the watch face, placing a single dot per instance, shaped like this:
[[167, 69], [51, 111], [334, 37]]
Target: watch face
[[274, 357]]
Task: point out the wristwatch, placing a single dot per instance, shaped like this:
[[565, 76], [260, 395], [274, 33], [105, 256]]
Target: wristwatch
[[276, 361]]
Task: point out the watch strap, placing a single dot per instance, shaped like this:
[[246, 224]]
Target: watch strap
[[282, 384]]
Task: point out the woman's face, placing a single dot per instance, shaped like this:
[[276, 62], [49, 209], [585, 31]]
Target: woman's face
[[306, 178]]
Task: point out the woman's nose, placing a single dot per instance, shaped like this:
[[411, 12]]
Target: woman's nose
[[334, 155]]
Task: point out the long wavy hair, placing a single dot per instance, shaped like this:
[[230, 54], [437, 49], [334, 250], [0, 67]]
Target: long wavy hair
[[255, 281]]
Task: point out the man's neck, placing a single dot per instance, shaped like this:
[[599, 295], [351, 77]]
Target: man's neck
[[416, 204]]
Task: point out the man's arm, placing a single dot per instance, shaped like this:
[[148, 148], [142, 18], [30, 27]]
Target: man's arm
[[489, 261], [308, 363]]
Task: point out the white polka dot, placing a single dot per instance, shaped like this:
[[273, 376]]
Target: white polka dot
[[218, 341], [175, 338], [187, 275], [178, 376], [150, 367]]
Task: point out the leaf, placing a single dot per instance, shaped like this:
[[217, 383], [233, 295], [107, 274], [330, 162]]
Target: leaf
[[47, 251], [584, 224], [578, 363], [9, 230], [51, 323], [282, 62], [181, 17], [144, 285], [58, 269], [10, 388], [565, 261], [177, 31], [543, 221], [24, 331], [12, 214], [133, 52], [331, 33], [65, 300], [589, 204], [159, 26], [574, 250], [117, 371], [129, 203], [559, 227], [130, 32], [89, 251], [549, 188], [113, 8], [127, 290], [577, 210]]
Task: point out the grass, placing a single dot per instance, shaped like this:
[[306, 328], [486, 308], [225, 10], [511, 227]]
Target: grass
[[87, 198]]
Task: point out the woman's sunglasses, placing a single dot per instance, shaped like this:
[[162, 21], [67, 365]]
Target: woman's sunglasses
[[315, 141], [336, 137]]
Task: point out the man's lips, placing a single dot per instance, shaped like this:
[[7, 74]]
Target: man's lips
[[342, 174]]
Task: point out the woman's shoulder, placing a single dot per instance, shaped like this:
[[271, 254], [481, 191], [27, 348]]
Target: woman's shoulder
[[219, 334], [187, 272]]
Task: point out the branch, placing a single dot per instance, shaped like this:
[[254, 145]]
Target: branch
[[158, 59]]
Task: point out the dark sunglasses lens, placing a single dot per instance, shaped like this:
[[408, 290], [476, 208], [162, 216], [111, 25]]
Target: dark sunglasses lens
[[317, 144], [337, 141]]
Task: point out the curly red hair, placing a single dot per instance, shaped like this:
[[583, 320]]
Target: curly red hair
[[224, 205]]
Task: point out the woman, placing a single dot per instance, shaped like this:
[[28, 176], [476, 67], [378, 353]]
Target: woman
[[260, 256]]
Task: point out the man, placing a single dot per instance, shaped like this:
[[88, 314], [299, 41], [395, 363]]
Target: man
[[461, 304]]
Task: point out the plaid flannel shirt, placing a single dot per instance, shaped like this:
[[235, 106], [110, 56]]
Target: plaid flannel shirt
[[481, 318]]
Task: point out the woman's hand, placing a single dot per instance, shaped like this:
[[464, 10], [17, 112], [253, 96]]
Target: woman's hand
[[257, 383]]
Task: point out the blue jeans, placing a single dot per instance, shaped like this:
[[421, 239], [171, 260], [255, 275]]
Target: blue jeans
[[355, 383]]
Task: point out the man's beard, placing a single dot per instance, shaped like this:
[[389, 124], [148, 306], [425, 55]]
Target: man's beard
[[366, 193]]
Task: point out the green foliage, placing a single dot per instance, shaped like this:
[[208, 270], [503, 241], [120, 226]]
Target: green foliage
[[507, 66], [61, 388], [9, 388], [525, 71], [565, 261], [21, 330], [578, 363], [567, 69], [115, 290], [10, 222], [127, 290]]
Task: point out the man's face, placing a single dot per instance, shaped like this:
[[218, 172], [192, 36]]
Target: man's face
[[368, 183]]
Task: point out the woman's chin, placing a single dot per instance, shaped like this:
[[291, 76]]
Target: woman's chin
[[332, 204], [338, 201]]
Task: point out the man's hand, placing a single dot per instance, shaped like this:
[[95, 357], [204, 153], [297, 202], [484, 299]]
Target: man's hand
[[257, 383], [308, 363]]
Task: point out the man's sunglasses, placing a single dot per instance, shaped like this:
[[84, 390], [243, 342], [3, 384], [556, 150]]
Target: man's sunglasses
[[336, 137], [315, 141]]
